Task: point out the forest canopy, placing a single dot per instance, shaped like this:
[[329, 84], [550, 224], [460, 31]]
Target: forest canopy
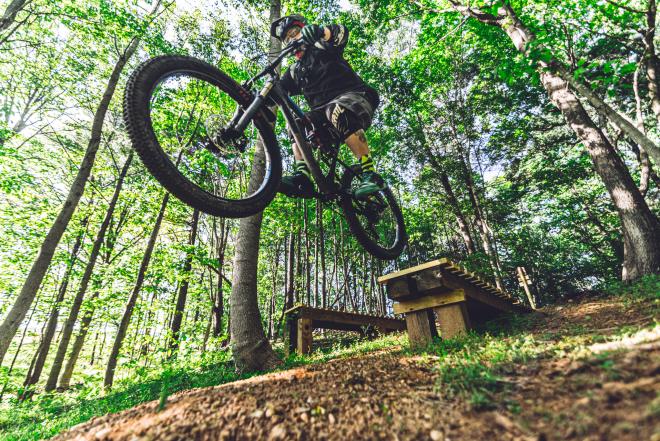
[[514, 134]]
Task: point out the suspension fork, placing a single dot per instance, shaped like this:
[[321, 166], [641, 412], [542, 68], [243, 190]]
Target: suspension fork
[[240, 120]]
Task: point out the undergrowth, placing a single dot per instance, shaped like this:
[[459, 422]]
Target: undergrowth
[[50, 413], [473, 367]]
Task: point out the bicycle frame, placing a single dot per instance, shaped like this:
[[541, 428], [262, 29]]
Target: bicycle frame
[[273, 91]]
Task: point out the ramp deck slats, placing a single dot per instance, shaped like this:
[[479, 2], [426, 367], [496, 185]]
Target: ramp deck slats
[[456, 277]]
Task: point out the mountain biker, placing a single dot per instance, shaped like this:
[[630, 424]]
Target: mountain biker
[[333, 91]]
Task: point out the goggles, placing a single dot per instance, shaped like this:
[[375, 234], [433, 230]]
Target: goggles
[[291, 33]]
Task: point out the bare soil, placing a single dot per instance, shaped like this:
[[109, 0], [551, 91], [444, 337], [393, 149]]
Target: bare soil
[[609, 395]]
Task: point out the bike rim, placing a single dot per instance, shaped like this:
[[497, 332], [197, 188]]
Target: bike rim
[[185, 109], [378, 220]]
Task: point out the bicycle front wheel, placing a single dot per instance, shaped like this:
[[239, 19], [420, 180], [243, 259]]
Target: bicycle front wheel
[[174, 108], [376, 222]]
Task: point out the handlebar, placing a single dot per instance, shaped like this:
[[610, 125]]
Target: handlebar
[[270, 69]]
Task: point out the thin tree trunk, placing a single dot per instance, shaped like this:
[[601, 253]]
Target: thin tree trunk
[[67, 331], [641, 229], [18, 349], [51, 326], [480, 220], [644, 162], [308, 283], [652, 63], [132, 300], [463, 227], [250, 347], [67, 373], [183, 287], [47, 249], [324, 296]]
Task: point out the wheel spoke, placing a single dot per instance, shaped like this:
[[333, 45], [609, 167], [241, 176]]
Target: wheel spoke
[[185, 111]]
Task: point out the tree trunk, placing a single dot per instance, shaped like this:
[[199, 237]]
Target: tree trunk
[[324, 299], [45, 255], [9, 16], [644, 162], [482, 225], [250, 347], [132, 300], [641, 229], [183, 287], [51, 326], [67, 331], [652, 63], [65, 378], [463, 227], [218, 307], [18, 349], [308, 283]]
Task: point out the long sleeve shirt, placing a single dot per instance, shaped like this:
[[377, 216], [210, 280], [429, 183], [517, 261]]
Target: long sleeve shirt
[[323, 74]]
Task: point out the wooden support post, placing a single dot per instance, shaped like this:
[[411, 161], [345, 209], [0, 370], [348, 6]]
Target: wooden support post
[[419, 328], [429, 301], [523, 279], [304, 339], [453, 319], [292, 334]]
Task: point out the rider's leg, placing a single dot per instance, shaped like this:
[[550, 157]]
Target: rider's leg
[[357, 142], [352, 127], [299, 184]]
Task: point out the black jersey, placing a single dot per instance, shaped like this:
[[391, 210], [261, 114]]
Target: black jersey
[[323, 74]]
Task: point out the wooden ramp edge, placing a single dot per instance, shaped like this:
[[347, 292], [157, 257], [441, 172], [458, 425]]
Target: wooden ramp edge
[[458, 277]]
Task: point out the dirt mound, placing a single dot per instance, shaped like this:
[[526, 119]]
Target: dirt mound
[[392, 397]]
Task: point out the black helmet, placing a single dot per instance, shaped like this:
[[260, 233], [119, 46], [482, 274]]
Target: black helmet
[[279, 27]]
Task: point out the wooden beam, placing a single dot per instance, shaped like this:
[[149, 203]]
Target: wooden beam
[[453, 320], [430, 301], [342, 320], [384, 279], [419, 328], [304, 332]]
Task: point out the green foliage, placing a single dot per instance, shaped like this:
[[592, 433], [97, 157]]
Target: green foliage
[[458, 103], [645, 289], [49, 414]]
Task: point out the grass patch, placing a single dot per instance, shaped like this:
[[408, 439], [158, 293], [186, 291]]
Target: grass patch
[[50, 413], [473, 367], [645, 289]]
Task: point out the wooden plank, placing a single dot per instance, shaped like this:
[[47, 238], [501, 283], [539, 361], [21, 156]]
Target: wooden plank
[[524, 282], [430, 301], [386, 278], [348, 320], [304, 332], [452, 320], [291, 329], [419, 328], [414, 285]]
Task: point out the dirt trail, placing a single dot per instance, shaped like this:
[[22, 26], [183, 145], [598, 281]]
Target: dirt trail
[[388, 396]]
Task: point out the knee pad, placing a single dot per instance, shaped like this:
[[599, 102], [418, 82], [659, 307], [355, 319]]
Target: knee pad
[[342, 119]]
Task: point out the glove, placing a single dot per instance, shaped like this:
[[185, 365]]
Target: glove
[[312, 33]]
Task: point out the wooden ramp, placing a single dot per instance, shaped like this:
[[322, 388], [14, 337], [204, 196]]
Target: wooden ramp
[[443, 290], [304, 319]]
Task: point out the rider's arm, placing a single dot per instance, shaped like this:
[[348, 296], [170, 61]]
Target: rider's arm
[[289, 83], [336, 35]]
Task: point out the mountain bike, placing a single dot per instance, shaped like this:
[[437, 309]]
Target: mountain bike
[[210, 141]]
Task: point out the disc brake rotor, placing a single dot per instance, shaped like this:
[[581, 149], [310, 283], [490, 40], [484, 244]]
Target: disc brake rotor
[[228, 146]]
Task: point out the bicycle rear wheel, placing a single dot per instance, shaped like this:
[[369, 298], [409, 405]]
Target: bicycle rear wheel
[[174, 108], [376, 222]]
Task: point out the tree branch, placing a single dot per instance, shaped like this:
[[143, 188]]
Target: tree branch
[[625, 7]]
